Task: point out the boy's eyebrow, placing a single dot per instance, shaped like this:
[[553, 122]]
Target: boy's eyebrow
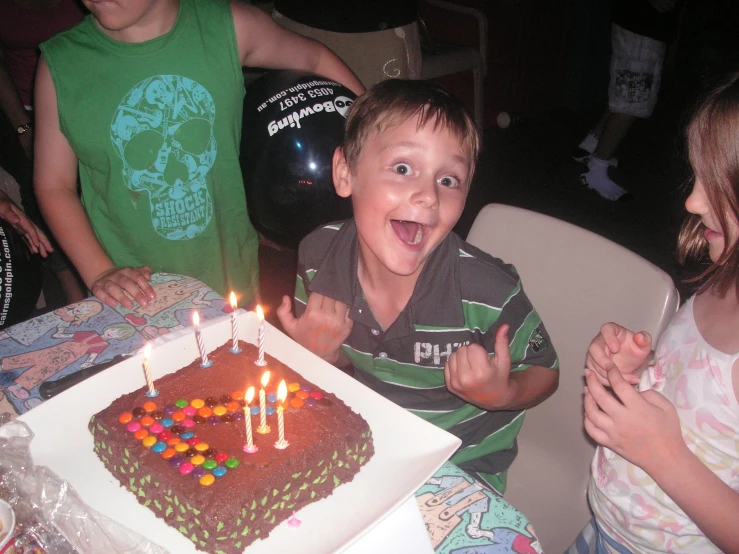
[[414, 144]]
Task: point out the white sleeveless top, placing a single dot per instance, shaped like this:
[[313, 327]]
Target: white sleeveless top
[[696, 378]]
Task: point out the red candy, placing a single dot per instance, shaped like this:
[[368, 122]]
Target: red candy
[[193, 441], [220, 457], [164, 436], [316, 394]]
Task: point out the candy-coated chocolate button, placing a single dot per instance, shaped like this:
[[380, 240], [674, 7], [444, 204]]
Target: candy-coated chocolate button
[[220, 457], [197, 460], [302, 394], [156, 428], [198, 419], [306, 388], [310, 401], [140, 434], [149, 441], [146, 420], [177, 429], [316, 394], [198, 472], [189, 411], [225, 399], [164, 436], [133, 426], [271, 397], [181, 403], [192, 441], [211, 401], [232, 463], [181, 447], [214, 420], [176, 461], [210, 464], [158, 447], [169, 409], [202, 446], [233, 406], [125, 417], [167, 422], [138, 412], [197, 403], [178, 416], [219, 471], [219, 410], [228, 418], [190, 452], [158, 415], [149, 407], [292, 387], [187, 435], [168, 453], [238, 395], [236, 416], [254, 410], [205, 411], [296, 403], [189, 423], [186, 468], [207, 480], [210, 453], [173, 441], [269, 410]]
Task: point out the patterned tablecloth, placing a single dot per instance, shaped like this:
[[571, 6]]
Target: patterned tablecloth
[[462, 516]]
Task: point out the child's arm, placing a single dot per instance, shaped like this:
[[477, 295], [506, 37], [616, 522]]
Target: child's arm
[[263, 43], [34, 237], [55, 185], [618, 347], [644, 428], [488, 383]]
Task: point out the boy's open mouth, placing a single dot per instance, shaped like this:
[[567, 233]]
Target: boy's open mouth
[[410, 232]]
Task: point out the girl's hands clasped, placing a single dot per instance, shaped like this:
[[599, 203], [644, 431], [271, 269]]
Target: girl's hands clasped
[[617, 347]]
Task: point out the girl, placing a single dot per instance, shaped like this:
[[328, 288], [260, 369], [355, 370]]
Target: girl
[[665, 477]]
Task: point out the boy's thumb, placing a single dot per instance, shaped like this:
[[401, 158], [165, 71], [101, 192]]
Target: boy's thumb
[[285, 314], [643, 339]]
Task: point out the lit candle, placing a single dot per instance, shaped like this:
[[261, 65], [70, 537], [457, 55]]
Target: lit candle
[[249, 448], [234, 326], [281, 396], [205, 362], [153, 393], [260, 338], [263, 428]]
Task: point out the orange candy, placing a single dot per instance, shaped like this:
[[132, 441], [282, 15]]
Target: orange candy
[[296, 403], [146, 420], [140, 434], [205, 411], [168, 453], [125, 417], [178, 416], [149, 407], [233, 406], [302, 394], [238, 395], [173, 441]]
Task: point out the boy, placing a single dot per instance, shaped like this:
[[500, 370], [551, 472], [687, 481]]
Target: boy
[[416, 310], [145, 96]]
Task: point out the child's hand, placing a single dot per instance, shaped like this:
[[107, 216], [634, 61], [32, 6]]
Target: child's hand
[[120, 284], [617, 347], [34, 237], [480, 380], [322, 328], [642, 427]]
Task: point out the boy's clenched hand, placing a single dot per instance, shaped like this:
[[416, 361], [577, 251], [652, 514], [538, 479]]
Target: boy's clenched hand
[[322, 328], [480, 380]]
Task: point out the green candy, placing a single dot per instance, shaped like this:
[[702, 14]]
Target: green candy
[[181, 403], [210, 464], [232, 463]]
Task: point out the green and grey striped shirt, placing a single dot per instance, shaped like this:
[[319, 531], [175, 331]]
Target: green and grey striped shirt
[[462, 296]]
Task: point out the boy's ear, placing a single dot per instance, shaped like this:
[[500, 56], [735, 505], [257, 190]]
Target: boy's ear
[[342, 174]]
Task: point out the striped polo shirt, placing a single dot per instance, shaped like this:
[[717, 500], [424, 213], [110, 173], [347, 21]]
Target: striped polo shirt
[[462, 296]]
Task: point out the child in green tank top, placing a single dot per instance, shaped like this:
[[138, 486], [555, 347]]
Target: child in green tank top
[[143, 100]]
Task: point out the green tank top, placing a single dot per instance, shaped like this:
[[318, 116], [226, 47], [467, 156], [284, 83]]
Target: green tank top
[[156, 127]]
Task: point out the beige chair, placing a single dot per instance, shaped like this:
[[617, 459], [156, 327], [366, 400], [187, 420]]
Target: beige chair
[[577, 281]]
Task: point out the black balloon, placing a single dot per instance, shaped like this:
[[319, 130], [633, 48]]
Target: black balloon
[[293, 122], [20, 277]]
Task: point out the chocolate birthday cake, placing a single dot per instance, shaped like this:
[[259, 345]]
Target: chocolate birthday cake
[[182, 452]]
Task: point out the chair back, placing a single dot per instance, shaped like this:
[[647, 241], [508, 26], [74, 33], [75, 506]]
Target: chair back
[[576, 280]]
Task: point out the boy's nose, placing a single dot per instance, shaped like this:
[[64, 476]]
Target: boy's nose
[[426, 193]]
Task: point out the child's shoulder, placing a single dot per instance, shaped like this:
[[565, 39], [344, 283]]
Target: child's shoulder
[[481, 271], [319, 241]]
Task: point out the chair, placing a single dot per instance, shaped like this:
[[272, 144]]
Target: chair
[[577, 281], [441, 58]]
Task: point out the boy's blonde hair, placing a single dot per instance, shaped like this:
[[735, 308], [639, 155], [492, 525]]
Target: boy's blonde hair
[[395, 101], [713, 148]]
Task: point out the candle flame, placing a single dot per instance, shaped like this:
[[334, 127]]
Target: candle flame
[[260, 313], [249, 395], [265, 379], [147, 351], [195, 319], [232, 300], [282, 391]]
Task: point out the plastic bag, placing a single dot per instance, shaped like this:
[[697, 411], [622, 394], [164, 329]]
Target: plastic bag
[[49, 511]]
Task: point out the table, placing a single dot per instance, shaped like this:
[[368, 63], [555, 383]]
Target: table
[[459, 515]]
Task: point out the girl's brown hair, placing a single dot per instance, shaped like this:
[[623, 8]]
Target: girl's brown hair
[[713, 148]]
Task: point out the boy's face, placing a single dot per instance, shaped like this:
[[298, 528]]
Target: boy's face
[[117, 16], [408, 191]]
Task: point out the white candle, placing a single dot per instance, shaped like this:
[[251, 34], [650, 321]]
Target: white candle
[[260, 337], [281, 395], [263, 428], [234, 326], [205, 362], [249, 448], [153, 393]]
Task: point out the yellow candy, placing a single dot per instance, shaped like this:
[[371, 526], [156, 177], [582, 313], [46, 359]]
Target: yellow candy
[[201, 447], [197, 460], [219, 410], [292, 387], [197, 403], [149, 441], [207, 480], [182, 447]]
